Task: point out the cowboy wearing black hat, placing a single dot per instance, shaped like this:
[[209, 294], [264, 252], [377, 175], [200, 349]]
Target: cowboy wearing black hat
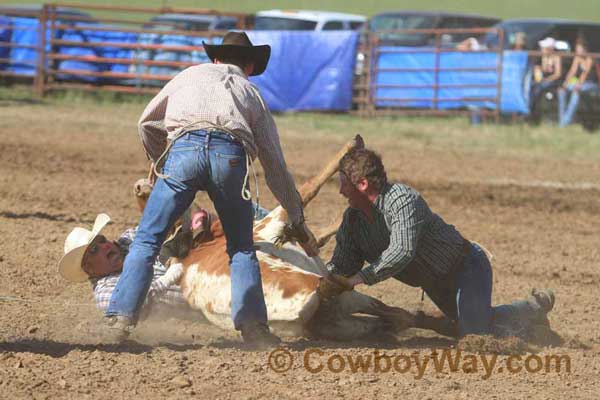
[[204, 128]]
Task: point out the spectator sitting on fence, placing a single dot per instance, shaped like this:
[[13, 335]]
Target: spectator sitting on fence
[[546, 75], [471, 44], [520, 41], [579, 79]]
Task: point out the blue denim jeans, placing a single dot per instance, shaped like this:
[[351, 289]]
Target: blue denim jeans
[[566, 112], [537, 89], [474, 302], [216, 163]]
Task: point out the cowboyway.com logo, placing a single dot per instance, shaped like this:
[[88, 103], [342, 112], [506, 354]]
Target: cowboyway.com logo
[[318, 361]]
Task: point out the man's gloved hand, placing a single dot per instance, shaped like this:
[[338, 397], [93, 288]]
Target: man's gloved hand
[[332, 285], [303, 235], [308, 242]]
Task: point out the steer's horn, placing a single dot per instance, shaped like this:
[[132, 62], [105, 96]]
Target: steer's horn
[[309, 190]]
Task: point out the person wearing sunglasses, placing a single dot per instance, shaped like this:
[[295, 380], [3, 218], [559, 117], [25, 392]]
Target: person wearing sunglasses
[[90, 256]]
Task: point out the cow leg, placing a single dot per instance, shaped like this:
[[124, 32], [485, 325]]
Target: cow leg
[[272, 226], [437, 322], [141, 191], [336, 319], [310, 189], [353, 302], [348, 327]]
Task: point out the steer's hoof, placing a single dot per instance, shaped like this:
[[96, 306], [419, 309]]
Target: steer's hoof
[[142, 188]]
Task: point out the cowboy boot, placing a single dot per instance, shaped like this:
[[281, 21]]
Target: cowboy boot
[[259, 336], [114, 329], [544, 299]]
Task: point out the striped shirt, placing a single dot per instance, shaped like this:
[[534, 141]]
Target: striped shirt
[[406, 240], [159, 293], [209, 96]]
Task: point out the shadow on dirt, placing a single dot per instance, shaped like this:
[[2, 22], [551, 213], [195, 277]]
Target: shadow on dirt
[[389, 342], [40, 215], [59, 349]]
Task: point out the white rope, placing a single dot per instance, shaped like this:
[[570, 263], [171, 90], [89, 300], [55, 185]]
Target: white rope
[[246, 193]]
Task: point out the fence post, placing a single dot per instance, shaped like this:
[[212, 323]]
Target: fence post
[[51, 62], [500, 66], [436, 73], [371, 59], [40, 75]]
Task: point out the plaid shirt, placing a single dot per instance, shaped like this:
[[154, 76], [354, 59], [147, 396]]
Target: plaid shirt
[[212, 96], [158, 293], [406, 240]]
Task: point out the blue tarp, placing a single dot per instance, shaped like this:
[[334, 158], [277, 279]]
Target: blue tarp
[[5, 35], [92, 35], [197, 56], [24, 32], [482, 84], [307, 70], [516, 82], [95, 35]]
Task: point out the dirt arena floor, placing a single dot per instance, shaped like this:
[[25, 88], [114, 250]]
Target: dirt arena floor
[[60, 167]]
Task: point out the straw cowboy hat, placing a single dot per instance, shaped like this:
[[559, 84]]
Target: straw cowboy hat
[[69, 266], [237, 43]]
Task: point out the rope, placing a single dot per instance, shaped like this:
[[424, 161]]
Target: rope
[[245, 193]]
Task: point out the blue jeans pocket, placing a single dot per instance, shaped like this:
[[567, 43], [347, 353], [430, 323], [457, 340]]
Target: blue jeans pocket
[[228, 171], [182, 163]]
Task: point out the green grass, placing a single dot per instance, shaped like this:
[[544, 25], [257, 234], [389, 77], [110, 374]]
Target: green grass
[[456, 135], [441, 134], [580, 9]]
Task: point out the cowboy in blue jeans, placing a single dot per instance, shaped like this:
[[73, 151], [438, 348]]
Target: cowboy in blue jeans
[[390, 227], [216, 123]]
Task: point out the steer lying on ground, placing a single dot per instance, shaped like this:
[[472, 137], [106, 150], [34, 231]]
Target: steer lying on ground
[[290, 279]]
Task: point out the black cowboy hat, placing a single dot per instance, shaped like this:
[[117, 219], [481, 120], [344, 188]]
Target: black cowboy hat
[[237, 43]]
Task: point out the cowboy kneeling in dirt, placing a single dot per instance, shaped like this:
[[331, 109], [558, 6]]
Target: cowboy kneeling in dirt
[[391, 227]]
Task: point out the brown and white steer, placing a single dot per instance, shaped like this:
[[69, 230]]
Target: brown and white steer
[[290, 280]]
